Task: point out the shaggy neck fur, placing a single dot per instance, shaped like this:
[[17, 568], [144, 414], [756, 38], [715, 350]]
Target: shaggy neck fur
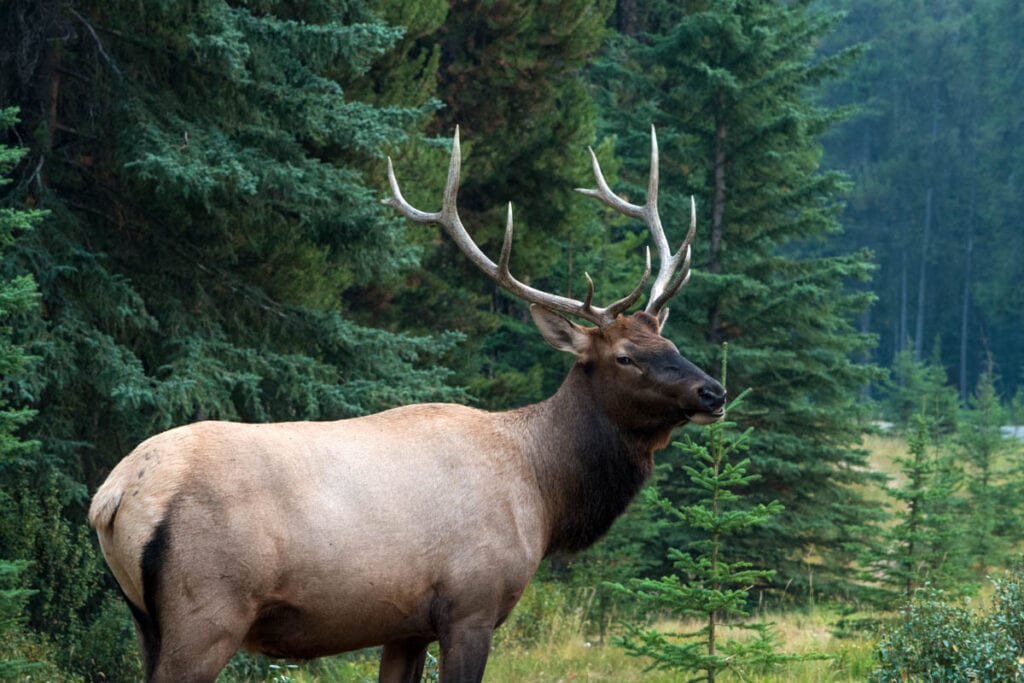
[[587, 468]]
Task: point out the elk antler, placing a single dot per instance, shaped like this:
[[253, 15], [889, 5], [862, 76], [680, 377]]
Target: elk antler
[[668, 282], [448, 218]]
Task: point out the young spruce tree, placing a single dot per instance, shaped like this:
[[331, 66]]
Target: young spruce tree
[[994, 477], [708, 583], [925, 544]]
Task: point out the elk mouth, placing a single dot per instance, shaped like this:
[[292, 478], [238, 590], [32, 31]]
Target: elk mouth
[[706, 417]]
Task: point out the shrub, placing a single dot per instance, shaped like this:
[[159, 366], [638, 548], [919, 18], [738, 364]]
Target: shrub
[[937, 640]]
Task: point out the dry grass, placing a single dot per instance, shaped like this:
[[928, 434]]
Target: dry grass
[[798, 632], [883, 451], [565, 656]]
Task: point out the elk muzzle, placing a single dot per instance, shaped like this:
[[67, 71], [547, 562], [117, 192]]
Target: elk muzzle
[[710, 402]]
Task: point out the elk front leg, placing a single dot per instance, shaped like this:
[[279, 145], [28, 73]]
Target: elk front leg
[[402, 661], [464, 653]]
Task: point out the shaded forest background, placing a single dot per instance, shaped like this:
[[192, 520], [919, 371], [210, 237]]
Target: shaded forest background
[[191, 229]]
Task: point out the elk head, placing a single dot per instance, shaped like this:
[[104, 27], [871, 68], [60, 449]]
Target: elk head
[[655, 387]]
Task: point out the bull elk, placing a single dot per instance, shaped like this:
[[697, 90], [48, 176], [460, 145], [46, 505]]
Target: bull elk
[[421, 523]]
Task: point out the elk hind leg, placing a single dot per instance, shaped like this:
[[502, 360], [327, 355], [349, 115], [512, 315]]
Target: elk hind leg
[[193, 662], [403, 661], [464, 653], [196, 646]]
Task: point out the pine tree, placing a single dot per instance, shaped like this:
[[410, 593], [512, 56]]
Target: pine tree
[[18, 297], [924, 545], [993, 483], [206, 166], [201, 274], [707, 584], [920, 385], [731, 88], [509, 77]]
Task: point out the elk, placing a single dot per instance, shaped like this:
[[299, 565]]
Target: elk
[[416, 524]]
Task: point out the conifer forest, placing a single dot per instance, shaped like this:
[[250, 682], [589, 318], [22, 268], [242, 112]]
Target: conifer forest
[[192, 228]]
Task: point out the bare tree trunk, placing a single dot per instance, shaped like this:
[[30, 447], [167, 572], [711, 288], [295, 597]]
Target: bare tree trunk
[[965, 306], [922, 276], [922, 280], [715, 335], [903, 331]]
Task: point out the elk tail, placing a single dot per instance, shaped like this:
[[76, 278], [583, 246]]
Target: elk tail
[[104, 507]]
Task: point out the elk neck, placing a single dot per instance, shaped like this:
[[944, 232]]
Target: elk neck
[[588, 469]]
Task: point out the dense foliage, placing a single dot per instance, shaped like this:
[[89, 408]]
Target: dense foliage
[[936, 639], [18, 297], [730, 87], [191, 229], [205, 172]]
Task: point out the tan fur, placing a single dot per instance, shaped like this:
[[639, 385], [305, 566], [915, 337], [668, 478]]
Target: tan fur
[[135, 496], [296, 499]]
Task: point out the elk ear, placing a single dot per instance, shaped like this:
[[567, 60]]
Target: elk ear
[[563, 334], [650, 322]]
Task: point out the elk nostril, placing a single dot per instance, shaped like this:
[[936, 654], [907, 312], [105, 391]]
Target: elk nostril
[[711, 397]]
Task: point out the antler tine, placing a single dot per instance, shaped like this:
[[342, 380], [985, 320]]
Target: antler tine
[[448, 218], [681, 270], [673, 269]]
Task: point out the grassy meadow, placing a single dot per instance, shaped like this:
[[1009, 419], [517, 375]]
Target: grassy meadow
[[564, 653]]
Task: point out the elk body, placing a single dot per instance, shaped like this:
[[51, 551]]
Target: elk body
[[416, 524]]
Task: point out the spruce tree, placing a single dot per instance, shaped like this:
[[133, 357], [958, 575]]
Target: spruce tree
[[731, 87], [917, 386], [207, 224], [993, 476], [924, 544], [209, 174], [707, 583], [18, 299], [509, 77]]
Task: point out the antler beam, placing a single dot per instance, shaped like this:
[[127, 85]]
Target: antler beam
[[448, 218], [673, 269]]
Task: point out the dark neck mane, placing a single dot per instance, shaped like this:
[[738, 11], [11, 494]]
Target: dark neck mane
[[588, 470]]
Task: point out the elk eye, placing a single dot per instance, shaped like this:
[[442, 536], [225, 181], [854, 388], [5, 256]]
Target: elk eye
[[624, 360]]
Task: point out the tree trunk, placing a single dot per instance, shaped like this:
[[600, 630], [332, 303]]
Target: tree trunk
[[922, 276], [965, 306], [715, 335], [922, 280], [627, 16], [34, 34], [903, 331]]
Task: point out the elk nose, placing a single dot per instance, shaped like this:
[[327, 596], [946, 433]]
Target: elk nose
[[712, 396]]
